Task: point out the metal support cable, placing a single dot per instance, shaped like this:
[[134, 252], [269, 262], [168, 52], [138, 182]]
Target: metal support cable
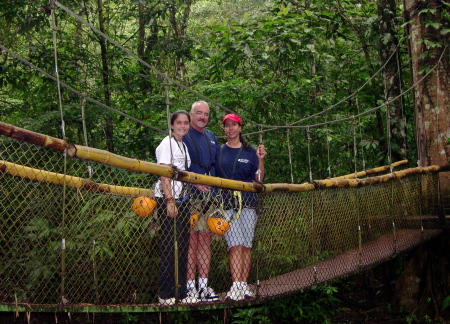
[[389, 137], [309, 153], [260, 143], [328, 148], [175, 219], [83, 121], [95, 270], [394, 230], [361, 137], [58, 84], [290, 154], [355, 150], [315, 236], [63, 216], [359, 217]]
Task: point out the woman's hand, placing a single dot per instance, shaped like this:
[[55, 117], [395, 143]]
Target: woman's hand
[[261, 151]]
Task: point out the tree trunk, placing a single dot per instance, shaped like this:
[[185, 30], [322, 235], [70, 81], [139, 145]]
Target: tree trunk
[[179, 24], [109, 128], [141, 34], [427, 51], [392, 77], [423, 284]]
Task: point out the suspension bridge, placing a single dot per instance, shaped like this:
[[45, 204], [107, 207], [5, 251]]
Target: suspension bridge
[[72, 242]]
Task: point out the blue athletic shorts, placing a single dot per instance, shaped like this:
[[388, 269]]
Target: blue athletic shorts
[[242, 230]]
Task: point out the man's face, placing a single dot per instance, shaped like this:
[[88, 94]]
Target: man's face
[[200, 116]]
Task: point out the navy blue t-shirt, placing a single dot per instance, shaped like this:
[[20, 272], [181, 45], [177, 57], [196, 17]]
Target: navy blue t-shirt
[[202, 150], [245, 166]]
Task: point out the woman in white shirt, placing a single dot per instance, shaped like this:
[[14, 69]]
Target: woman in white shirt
[[174, 214]]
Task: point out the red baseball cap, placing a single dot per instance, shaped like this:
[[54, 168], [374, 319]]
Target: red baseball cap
[[233, 117]]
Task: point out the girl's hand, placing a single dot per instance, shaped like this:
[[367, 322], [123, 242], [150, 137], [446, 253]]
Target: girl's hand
[[172, 209]]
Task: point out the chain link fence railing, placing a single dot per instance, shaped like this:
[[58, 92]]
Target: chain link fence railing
[[77, 242]]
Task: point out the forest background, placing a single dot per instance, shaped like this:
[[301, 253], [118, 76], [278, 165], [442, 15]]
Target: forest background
[[336, 86], [346, 66]]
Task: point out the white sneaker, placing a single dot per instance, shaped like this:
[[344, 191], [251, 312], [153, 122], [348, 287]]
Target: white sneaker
[[171, 301], [247, 293], [192, 292], [189, 300], [167, 301], [207, 295], [235, 294]]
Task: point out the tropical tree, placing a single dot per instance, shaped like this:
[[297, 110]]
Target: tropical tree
[[428, 26], [296, 61]]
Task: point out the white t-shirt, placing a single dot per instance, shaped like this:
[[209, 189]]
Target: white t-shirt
[[179, 158]]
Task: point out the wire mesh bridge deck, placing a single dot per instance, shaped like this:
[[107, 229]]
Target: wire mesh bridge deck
[[70, 241]]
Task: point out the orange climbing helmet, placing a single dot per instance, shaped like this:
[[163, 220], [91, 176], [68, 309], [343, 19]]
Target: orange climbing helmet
[[218, 221], [217, 225], [143, 206], [193, 220]]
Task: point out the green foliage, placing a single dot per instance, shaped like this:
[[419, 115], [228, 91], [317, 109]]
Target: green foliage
[[227, 9], [130, 319], [181, 317], [274, 63], [446, 303], [413, 318], [314, 305], [250, 315], [281, 68]]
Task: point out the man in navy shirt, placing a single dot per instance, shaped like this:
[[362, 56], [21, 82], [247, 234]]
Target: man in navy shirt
[[201, 144]]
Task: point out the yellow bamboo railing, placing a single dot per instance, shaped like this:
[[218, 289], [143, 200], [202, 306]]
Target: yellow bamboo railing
[[112, 159], [350, 183], [371, 171], [115, 160], [32, 137], [18, 170]]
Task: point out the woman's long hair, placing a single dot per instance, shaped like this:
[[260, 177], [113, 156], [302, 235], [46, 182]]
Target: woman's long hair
[[244, 142]]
